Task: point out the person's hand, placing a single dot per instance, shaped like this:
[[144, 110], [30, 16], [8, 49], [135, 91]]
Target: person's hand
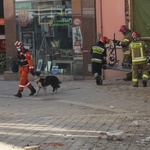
[[32, 71], [148, 60], [116, 42]]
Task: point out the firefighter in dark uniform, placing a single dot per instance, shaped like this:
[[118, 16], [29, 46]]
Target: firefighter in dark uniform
[[139, 52], [25, 66], [127, 60], [98, 53]]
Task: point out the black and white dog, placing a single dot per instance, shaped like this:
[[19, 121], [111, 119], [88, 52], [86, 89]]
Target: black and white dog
[[44, 81]]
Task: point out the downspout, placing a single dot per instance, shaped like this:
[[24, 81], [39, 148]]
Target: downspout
[[101, 26], [99, 23], [101, 17]]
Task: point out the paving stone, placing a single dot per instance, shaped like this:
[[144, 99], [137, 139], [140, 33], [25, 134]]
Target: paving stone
[[75, 116]]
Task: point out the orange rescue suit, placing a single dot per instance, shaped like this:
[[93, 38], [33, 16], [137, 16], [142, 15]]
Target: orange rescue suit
[[25, 66]]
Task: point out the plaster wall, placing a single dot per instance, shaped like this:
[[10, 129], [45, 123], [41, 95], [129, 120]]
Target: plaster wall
[[110, 16]]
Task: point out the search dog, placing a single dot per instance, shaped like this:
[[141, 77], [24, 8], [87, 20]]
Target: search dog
[[44, 81]]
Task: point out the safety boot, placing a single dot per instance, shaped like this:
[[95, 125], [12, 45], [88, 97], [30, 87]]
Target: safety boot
[[144, 83], [33, 91], [19, 94], [99, 81]]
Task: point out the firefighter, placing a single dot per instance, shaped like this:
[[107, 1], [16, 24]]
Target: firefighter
[[25, 66], [125, 46], [98, 54], [139, 52]]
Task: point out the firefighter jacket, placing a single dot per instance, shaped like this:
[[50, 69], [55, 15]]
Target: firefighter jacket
[[125, 42], [138, 51], [24, 59], [98, 53]]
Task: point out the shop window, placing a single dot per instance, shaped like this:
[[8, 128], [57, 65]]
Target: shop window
[[52, 33]]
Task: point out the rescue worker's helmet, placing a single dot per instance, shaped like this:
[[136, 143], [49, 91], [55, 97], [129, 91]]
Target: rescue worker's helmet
[[123, 29], [18, 45], [104, 40], [135, 35]]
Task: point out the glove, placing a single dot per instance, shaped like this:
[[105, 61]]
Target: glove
[[104, 66], [32, 71], [148, 60], [116, 42]]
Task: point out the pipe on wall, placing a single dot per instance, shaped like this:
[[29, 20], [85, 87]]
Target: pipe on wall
[[99, 18], [99, 23]]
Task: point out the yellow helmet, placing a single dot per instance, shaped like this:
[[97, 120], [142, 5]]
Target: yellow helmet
[[18, 44]]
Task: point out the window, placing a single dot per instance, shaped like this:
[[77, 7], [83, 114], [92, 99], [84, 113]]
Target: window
[[47, 27]]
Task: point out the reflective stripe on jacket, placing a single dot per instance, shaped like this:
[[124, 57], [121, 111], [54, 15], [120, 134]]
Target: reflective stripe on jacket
[[96, 60], [98, 53], [98, 50], [138, 52]]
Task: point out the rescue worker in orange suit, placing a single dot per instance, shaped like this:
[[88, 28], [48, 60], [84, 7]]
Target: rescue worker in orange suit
[[98, 60], [25, 66], [139, 52], [127, 60]]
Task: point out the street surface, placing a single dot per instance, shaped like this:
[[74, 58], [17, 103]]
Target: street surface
[[77, 117]]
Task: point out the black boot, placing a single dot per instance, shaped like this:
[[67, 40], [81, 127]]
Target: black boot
[[33, 91], [144, 83], [19, 94], [99, 81]]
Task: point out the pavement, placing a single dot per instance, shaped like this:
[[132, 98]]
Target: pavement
[[77, 117]]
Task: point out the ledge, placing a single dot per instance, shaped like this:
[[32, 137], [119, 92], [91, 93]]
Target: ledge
[[14, 76]]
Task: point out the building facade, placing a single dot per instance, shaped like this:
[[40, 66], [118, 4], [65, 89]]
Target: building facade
[[55, 31], [60, 33]]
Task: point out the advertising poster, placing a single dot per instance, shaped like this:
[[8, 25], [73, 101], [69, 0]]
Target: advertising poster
[[77, 34]]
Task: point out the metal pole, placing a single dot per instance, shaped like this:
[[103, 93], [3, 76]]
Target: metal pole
[[46, 56]]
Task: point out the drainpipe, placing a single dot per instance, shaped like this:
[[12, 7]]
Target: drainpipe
[[101, 27], [99, 20], [101, 17], [99, 23]]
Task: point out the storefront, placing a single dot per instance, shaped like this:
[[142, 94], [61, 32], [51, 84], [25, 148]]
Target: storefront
[[2, 39], [52, 32], [59, 33]]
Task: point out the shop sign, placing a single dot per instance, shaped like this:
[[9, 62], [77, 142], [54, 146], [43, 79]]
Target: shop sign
[[54, 16], [62, 21]]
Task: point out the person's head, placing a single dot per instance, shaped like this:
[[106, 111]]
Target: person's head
[[124, 29], [135, 36], [19, 46], [104, 40]]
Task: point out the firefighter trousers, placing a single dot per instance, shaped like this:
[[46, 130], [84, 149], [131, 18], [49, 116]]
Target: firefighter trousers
[[127, 64], [97, 71], [24, 82], [135, 71]]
